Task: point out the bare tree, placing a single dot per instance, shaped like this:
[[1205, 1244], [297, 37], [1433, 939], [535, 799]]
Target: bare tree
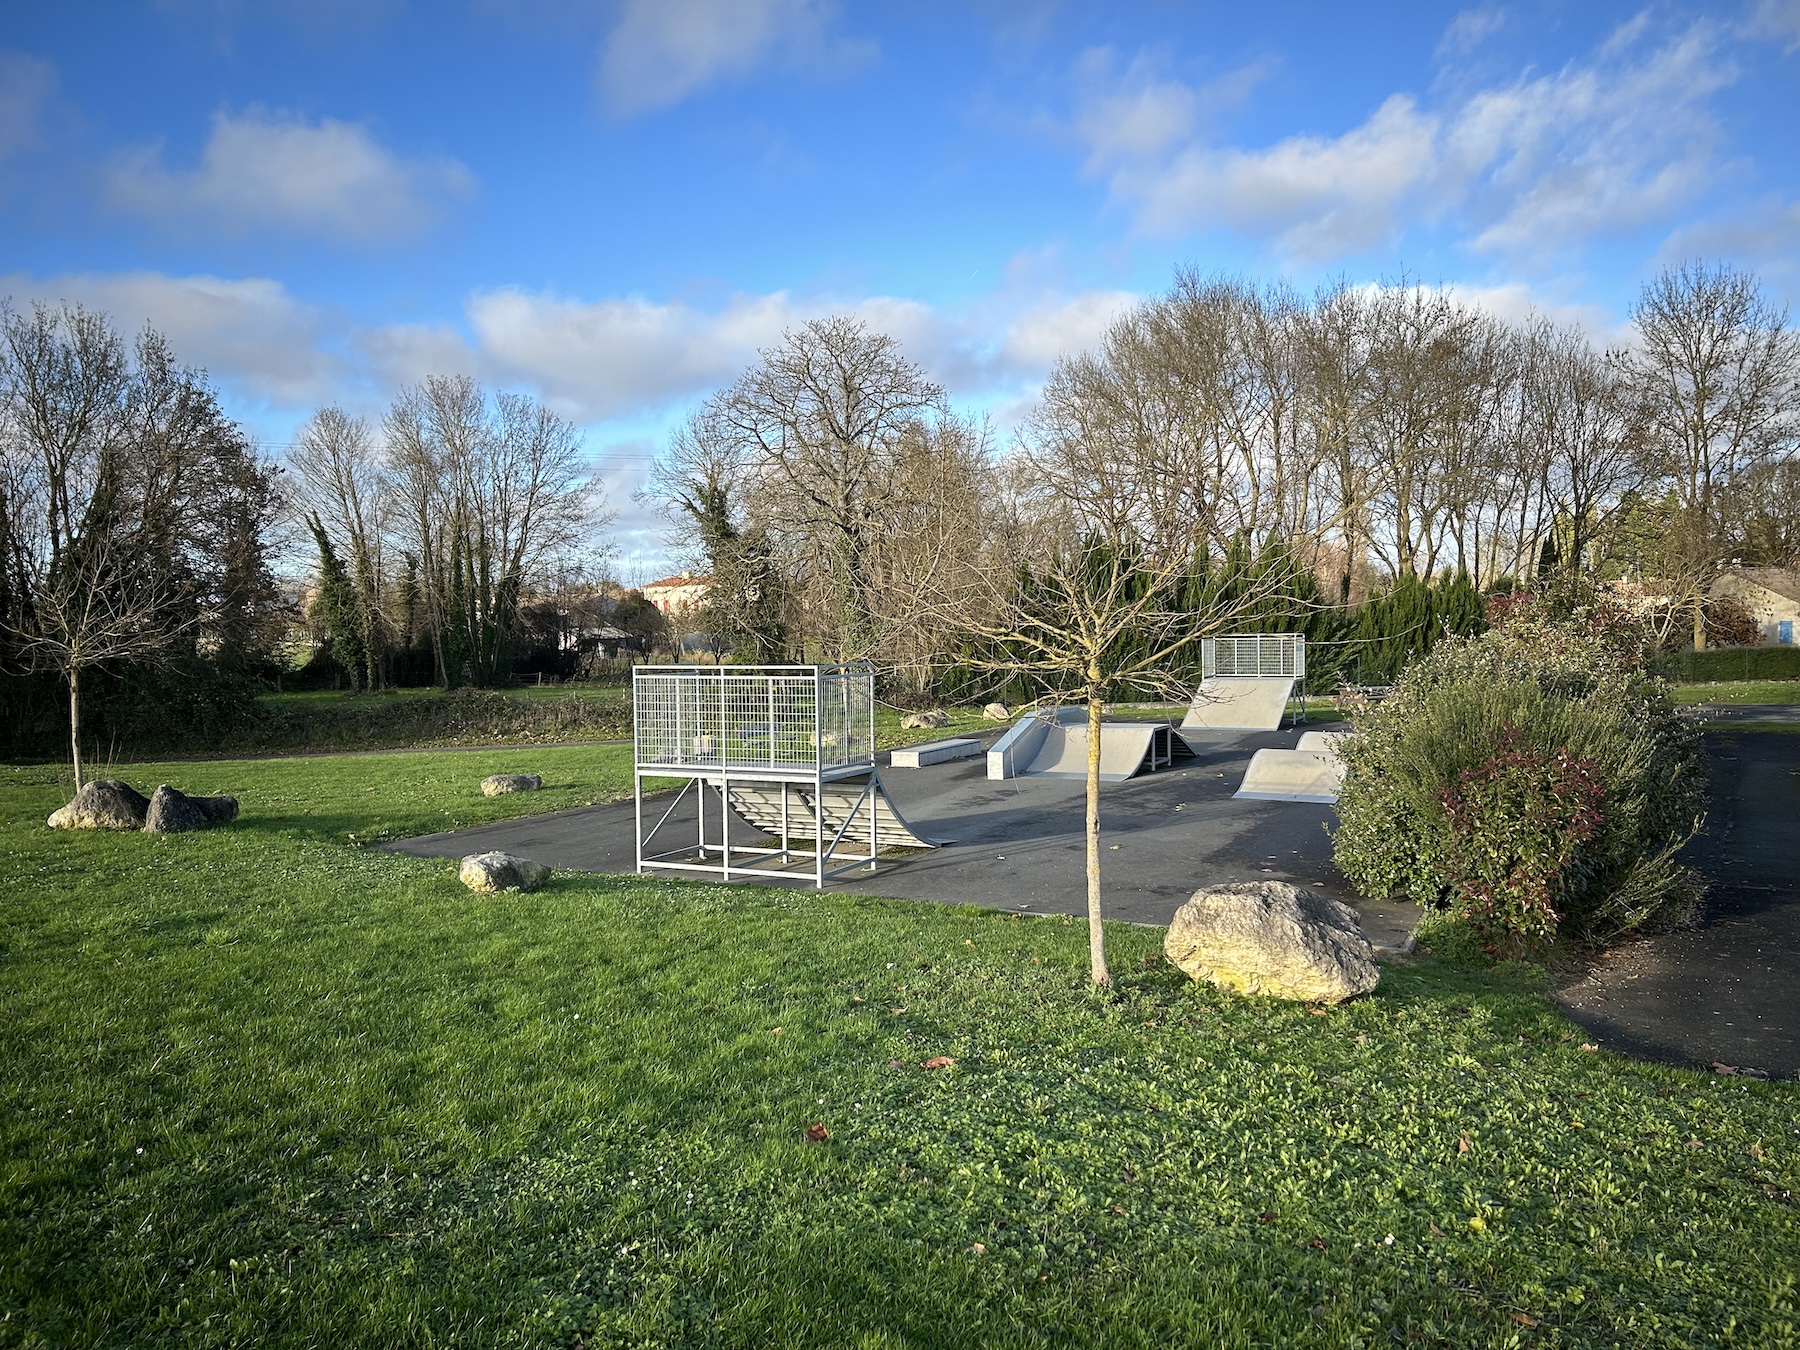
[[92, 608], [341, 482], [1719, 370], [821, 422]]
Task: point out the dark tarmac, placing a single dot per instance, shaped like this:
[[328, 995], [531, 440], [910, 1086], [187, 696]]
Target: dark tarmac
[[1727, 991], [1018, 844], [1724, 992]]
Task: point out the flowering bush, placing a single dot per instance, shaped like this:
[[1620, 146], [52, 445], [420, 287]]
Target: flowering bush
[[1533, 780]]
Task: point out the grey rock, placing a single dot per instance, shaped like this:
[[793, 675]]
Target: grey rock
[[997, 712], [928, 720], [490, 873], [500, 784], [103, 804], [172, 812], [1272, 937]]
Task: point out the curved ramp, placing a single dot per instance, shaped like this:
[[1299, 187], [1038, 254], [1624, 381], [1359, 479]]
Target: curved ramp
[[1238, 703], [845, 803], [1330, 741], [1293, 776], [1053, 743]]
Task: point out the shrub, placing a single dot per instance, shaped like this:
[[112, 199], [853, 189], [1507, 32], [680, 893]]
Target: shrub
[[1532, 781]]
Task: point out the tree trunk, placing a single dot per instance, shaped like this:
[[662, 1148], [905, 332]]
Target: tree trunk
[[1699, 625], [75, 723], [1096, 933]]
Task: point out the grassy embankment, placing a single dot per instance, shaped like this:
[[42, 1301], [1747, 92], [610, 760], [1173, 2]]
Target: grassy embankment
[[263, 1086]]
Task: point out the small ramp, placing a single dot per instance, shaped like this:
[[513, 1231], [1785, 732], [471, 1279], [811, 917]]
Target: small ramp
[[1053, 743], [935, 752], [1293, 776], [845, 806], [1239, 703], [1331, 741]]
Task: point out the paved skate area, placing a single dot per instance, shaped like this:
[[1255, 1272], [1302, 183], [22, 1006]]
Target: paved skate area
[[1727, 991], [1018, 844]]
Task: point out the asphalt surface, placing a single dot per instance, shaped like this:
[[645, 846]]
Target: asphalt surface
[[1019, 844], [1726, 991]]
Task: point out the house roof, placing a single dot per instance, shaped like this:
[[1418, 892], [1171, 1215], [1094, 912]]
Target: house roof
[[1784, 581], [680, 579]]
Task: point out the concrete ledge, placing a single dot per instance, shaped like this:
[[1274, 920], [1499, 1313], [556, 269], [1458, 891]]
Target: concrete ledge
[[936, 752]]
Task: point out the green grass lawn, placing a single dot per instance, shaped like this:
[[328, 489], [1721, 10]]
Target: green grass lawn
[[264, 1086], [1740, 691]]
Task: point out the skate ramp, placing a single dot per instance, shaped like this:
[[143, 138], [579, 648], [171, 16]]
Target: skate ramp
[[1053, 743], [846, 808], [1293, 776], [1239, 703], [1331, 741]]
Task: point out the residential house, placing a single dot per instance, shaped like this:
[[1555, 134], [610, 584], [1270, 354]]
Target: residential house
[[1770, 594]]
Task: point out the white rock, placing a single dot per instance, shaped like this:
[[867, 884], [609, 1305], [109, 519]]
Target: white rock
[[1272, 937], [490, 873], [500, 784], [997, 712]]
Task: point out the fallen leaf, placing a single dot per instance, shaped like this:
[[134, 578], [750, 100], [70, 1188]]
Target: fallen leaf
[[896, 1063], [1728, 1070], [1435, 1230], [1756, 1152], [1463, 1145], [1525, 1319], [979, 1248], [1319, 1245], [1695, 1143], [1320, 1012], [1589, 1046], [1362, 1040], [856, 998], [774, 1031], [1267, 1216], [1118, 1209], [817, 1133], [938, 1062]]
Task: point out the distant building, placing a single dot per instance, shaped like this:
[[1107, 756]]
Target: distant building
[[680, 594], [1771, 595]]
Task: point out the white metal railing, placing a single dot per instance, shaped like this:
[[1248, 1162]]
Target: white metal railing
[[771, 719], [1254, 655]]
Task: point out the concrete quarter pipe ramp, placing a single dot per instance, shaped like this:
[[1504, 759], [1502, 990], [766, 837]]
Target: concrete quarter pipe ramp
[[1293, 776], [1053, 743], [1234, 704]]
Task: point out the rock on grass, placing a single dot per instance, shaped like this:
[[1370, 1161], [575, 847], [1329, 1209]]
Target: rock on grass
[[491, 873], [103, 804], [1272, 937], [500, 784]]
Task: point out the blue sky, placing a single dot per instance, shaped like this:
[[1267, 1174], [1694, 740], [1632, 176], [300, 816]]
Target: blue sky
[[615, 204]]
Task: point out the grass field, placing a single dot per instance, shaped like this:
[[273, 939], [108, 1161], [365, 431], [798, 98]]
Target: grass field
[[1740, 691], [264, 1086]]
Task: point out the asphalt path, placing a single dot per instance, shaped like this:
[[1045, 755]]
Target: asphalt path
[[1020, 844], [1724, 992]]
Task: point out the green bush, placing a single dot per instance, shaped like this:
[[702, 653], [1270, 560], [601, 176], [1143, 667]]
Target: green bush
[[1732, 663], [1532, 781]]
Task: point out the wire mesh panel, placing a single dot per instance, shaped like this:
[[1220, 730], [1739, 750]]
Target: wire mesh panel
[[1254, 655], [778, 719]]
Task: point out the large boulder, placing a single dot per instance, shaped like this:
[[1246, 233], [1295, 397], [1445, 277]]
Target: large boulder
[[1271, 937], [500, 784], [997, 712], [929, 720], [491, 873], [103, 804], [173, 811]]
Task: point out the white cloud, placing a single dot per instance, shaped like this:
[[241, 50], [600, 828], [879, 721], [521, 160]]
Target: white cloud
[[273, 171], [1613, 143], [1777, 21], [26, 85], [661, 51], [250, 333], [1468, 30]]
